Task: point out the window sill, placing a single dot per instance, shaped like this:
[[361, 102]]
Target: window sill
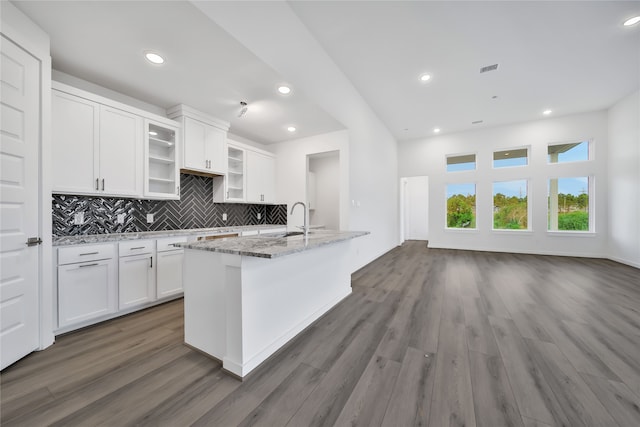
[[571, 233], [507, 231], [460, 230]]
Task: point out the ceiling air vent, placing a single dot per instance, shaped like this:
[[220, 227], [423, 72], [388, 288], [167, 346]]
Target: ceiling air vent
[[477, 122], [489, 68]]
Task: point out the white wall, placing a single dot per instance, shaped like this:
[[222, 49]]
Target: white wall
[[327, 208], [291, 171], [427, 157], [624, 180], [275, 34]]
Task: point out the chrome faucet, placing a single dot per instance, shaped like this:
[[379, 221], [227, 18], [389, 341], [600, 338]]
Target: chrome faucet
[[304, 207]]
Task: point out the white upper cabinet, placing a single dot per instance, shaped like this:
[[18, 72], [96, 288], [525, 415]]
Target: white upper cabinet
[[261, 176], [99, 146], [75, 144], [162, 176], [120, 152], [250, 177], [204, 140], [236, 174]]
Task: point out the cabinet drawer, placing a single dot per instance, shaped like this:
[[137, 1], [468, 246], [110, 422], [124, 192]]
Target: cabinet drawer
[[135, 247], [166, 244], [76, 254]]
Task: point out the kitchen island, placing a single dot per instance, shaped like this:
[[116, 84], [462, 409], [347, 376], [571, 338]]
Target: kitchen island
[[245, 297]]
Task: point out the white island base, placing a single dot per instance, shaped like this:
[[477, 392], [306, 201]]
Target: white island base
[[241, 309]]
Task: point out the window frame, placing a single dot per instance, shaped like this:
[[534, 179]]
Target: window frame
[[590, 207], [590, 151], [446, 200], [522, 147], [475, 162], [529, 228]]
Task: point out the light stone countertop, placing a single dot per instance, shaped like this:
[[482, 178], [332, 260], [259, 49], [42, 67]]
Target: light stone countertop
[[273, 245], [117, 237]]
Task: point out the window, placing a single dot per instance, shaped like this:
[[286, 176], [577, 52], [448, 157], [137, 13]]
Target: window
[[569, 204], [510, 206], [507, 158], [568, 152], [461, 206], [465, 162]]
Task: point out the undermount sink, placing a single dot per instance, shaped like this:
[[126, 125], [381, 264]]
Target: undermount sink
[[287, 234]]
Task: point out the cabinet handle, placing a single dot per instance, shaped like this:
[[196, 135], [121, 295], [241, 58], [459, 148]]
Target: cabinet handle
[[88, 265], [97, 180], [137, 247], [102, 184], [90, 253], [151, 259]]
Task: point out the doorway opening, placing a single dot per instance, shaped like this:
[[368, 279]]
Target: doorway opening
[[323, 190], [414, 208]]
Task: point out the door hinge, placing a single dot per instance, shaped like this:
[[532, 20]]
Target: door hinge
[[34, 241]]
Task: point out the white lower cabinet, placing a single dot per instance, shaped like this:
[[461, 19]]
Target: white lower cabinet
[[87, 284], [137, 279], [169, 268]]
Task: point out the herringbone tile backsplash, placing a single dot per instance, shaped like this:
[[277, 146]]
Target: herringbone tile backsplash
[[195, 209]]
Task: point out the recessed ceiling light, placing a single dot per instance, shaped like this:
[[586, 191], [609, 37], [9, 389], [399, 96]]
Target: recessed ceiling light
[[284, 90], [291, 129], [425, 78], [154, 58], [506, 154], [631, 21], [436, 130], [547, 112]]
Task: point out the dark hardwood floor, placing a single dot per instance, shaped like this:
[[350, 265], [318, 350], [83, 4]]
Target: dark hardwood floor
[[428, 337]]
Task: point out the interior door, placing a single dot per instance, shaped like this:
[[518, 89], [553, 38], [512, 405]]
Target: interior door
[[417, 208], [19, 206]]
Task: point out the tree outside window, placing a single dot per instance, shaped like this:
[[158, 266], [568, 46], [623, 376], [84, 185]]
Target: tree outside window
[[461, 206], [510, 205]]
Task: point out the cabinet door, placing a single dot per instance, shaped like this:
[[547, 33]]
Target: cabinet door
[[235, 181], [86, 291], [269, 179], [161, 174], [195, 134], [169, 273], [260, 177], [216, 150], [120, 152], [74, 150], [137, 280]]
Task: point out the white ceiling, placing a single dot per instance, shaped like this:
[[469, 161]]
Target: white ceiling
[[566, 56], [569, 57], [104, 42]]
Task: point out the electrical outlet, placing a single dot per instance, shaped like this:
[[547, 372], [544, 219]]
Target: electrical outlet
[[78, 218], [259, 215], [150, 218], [121, 218], [224, 216]]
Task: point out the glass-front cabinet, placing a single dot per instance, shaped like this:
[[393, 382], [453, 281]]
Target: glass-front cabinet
[[236, 174], [162, 177]]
